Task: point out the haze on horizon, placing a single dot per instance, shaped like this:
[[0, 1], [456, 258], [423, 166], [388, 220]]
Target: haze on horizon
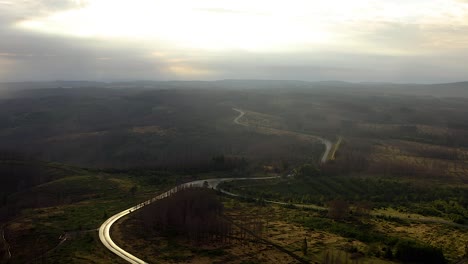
[[360, 40]]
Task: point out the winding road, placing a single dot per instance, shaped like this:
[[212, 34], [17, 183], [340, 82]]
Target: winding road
[[328, 144], [241, 114], [7, 246], [104, 230]]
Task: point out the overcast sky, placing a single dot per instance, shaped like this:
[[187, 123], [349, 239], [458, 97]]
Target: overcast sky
[[350, 40]]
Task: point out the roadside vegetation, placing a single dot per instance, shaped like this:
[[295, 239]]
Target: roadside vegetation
[[394, 188]]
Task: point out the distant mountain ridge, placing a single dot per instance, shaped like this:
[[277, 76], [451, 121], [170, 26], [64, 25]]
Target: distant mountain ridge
[[455, 89]]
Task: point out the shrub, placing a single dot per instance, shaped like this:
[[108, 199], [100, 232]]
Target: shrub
[[411, 251]]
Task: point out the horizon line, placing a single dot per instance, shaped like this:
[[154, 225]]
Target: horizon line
[[235, 79]]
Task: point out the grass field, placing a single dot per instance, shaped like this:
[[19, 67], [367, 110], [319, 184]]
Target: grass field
[[61, 221], [359, 239]]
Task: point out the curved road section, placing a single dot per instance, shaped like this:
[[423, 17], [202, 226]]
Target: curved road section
[[328, 144], [328, 147], [104, 230]]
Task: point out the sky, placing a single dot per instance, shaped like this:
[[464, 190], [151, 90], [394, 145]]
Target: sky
[[420, 41]]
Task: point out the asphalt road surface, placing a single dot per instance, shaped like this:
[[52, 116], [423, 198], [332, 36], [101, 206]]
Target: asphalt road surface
[[104, 230], [328, 144]]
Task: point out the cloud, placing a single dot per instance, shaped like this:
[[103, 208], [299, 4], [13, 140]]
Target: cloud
[[35, 56], [41, 7], [357, 40], [409, 39]]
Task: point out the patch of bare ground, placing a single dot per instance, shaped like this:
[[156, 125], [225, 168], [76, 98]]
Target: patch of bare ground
[[437, 162], [323, 246], [278, 227], [159, 249], [152, 130], [75, 136]]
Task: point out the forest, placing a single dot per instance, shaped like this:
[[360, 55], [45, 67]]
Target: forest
[[394, 187]]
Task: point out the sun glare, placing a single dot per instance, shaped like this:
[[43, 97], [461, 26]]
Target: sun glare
[[261, 26], [202, 25]]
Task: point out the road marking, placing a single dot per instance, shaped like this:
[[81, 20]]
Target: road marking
[[104, 229]]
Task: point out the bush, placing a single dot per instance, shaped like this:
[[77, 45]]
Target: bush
[[415, 252], [307, 171]]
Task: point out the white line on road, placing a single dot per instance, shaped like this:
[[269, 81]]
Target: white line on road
[[104, 230]]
